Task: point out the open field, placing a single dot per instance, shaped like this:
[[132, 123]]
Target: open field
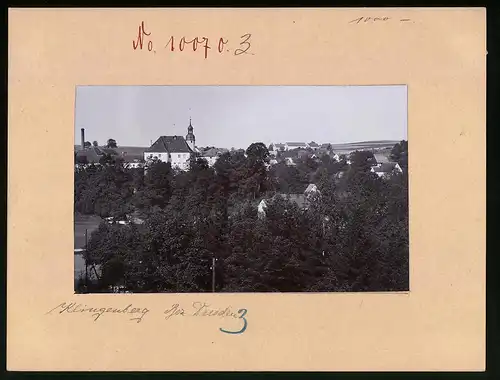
[[347, 148]]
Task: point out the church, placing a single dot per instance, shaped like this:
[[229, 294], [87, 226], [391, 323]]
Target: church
[[174, 149]]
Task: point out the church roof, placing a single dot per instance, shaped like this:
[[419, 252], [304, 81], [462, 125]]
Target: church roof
[[171, 144]]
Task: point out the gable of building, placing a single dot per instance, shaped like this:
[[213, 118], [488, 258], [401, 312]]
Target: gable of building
[[311, 188]]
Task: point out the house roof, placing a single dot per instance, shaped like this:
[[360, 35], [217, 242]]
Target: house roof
[[381, 158], [130, 158], [279, 145], [92, 155], [170, 144], [295, 144], [311, 187], [302, 153], [313, 144], [136, 151], [325, 145], [212, 152], [386, 167], [298, 199]]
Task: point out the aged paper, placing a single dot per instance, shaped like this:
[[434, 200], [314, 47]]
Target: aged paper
[[439, 54]]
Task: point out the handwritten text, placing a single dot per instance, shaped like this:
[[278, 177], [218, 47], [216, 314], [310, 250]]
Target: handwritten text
[[196, 309], [371, 20], [135, 313], [144, 41], [202, 309]]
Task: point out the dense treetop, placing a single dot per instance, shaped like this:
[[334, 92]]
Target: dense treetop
[[353, 236]]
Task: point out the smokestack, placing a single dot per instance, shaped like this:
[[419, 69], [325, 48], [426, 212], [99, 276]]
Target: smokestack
[[83, 138]]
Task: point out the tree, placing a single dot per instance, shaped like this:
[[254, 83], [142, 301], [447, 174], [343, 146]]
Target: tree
[[362, 160], [287, 179], [256, 170], [111, 143], [257, 153], [279, 253], [354, 237], [104, 190], [83, 160], [158, 185], [106, 159], [399, 154]]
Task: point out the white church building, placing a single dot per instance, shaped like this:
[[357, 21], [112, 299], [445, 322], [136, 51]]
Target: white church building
[[174, 149]]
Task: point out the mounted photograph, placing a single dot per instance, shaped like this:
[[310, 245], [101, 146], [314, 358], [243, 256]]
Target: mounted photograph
[[241, 189]]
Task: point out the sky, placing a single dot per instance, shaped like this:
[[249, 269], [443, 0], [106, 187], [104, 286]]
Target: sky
[[236, 116]]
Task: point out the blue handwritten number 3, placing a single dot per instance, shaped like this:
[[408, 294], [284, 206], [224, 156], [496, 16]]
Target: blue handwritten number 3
[[242, 316]]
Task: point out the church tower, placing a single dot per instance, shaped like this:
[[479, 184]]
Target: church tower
[[190, 139]]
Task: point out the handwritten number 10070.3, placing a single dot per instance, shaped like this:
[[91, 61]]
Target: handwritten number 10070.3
[[174, 44]]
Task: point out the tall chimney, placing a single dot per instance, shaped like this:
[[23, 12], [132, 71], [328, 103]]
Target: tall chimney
[[83, 138]]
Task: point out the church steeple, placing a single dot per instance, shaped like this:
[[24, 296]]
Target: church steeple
[[190, 139]]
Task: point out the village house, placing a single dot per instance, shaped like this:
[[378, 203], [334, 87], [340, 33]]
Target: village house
[[301, 200], [211, 155], [326, 146], [313, 145], [131, 157], [301, 154], [295, 145], [311, 190], [386, 169], [278, 147], [87, 157]]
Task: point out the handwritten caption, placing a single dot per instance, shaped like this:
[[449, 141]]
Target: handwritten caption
[[373, 20], [137, 314], [144, 41]]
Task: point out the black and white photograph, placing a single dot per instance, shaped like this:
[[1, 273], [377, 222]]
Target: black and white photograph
[[241, 189]]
